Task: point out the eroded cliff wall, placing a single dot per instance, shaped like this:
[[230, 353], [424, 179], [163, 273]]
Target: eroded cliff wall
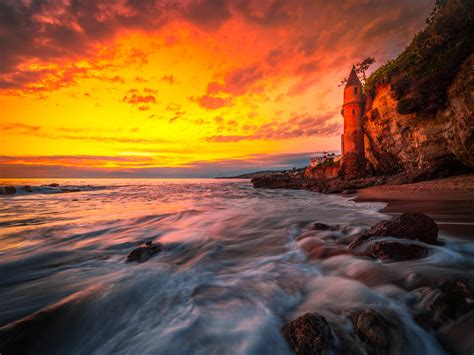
[[414, 143]]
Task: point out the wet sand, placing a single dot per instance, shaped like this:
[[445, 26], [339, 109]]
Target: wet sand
[[450, 202]]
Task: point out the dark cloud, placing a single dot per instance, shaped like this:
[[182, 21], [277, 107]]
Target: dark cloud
[[268, 13], [63, 31], [208, 13]]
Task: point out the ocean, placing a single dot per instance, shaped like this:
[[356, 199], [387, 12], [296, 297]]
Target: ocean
[[230, 275]]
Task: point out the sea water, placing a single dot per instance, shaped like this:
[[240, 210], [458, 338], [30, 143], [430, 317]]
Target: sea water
[[231, 272]]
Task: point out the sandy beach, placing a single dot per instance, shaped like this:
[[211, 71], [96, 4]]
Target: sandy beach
[[449, 201]]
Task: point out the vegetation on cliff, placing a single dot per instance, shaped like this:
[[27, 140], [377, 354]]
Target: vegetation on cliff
[[421, 75]]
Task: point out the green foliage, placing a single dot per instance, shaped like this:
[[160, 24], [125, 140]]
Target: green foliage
[[421, 75], [360, 69], [328, 162]]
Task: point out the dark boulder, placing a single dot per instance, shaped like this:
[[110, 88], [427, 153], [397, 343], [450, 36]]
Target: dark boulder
[[70, 189], [457, 337], [414, 226], [323, 227], [444, 302], [53, 185], [27, 188], [309, 334], [9, 190], [380, 333], [142, 254], [388, 250]]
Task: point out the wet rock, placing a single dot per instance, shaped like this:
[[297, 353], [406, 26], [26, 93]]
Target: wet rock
[[444, 302], [70, 189], [347, 340], [457, 337], [349, 192], [388, 250], [142, 254], [9, 190], [414, 226], [316, 249], [323, 227], [381, 334], [53, 185], [27, 188], [309, 334]]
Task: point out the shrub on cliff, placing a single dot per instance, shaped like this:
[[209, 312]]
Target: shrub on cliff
[[421, 75]]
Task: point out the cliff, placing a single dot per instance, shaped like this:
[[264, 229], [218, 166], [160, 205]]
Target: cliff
[[419, 108], [328, 170], [418, 113], [418, 144]]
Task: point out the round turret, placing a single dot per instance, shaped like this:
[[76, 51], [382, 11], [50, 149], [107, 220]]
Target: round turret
[[353, 137]]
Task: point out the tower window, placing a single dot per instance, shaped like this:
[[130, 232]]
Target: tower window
[[355, 90]]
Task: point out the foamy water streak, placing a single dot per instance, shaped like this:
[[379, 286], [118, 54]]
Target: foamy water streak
[[231, 271]]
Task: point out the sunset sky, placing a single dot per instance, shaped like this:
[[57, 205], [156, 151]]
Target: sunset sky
[[162, 88]]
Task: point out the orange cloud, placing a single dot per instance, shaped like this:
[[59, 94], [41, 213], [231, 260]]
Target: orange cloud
[[212, 102], [298, 126], [79, 76]]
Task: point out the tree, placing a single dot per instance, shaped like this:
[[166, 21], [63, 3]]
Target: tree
[[360, 69]]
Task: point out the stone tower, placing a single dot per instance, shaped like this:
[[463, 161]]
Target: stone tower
[[353, 158]]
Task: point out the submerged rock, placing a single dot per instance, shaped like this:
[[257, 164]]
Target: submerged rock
[[317, 249], [379, 333], [70, 189], [323, 227], [388, 250], [457, 337], [142, 254], [309, 334], [444, 302], [414, 226]]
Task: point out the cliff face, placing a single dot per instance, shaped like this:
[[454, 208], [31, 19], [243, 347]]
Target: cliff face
[[322, 172], [397, 142]]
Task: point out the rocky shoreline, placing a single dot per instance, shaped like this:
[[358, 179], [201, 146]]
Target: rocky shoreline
[[296, 180], [442, 307]]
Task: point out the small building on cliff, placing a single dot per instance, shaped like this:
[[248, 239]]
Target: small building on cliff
[[321, 159], [352, 140]]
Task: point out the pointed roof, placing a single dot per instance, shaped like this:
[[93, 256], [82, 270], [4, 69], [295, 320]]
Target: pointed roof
[[353, 79]]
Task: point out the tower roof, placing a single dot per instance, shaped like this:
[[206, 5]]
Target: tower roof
[[353, 79]]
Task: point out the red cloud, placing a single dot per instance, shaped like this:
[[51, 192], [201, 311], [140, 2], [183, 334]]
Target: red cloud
[[52, 31], [212, 102], [298, 126], [139, 99], [237, 82], [170, 79]]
